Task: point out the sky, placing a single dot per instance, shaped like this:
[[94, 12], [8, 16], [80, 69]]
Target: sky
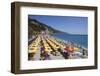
[[68, 24]]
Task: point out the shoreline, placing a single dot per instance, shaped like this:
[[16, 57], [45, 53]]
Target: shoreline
[[76, 44]]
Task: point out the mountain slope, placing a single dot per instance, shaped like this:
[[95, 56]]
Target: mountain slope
[[35, 27]]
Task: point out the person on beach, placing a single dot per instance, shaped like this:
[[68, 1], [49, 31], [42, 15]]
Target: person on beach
[[66, 52], [42, 48], [84, 52], [46, 56], [42, 52]]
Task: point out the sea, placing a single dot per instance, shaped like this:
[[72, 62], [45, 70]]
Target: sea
[[81, 40]]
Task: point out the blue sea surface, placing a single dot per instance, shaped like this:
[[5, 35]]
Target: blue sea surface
[[78, 39]]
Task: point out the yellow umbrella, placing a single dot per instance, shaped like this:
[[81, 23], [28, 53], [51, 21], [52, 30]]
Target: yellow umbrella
[[76, 49]]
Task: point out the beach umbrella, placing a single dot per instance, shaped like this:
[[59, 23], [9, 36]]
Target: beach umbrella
[[69, 49], [76, 49]]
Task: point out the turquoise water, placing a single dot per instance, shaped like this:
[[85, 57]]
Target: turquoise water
[[78, 39]]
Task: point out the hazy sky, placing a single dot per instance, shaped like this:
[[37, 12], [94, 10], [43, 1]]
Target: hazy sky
[[69, 24]]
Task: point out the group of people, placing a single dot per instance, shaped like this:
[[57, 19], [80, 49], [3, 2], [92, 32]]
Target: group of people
[[65, 52]]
